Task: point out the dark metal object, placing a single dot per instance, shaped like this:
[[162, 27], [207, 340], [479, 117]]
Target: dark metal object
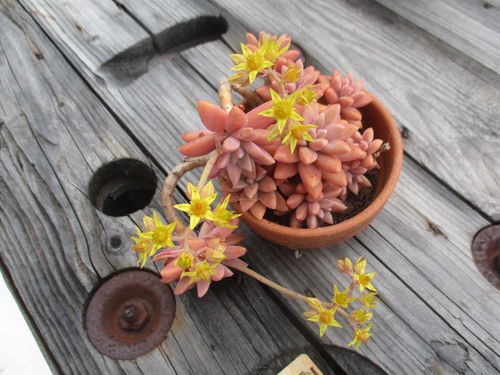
[[130, 314], [486, 253]]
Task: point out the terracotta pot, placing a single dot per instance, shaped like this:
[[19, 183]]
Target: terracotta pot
[[378, 117]]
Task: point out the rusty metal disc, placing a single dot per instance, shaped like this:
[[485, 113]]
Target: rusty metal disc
[[486, 253], [130, 314]]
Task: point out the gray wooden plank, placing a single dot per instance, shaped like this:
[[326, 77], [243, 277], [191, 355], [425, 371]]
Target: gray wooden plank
[[54, 135], [466, 25], [396, 331], [162, 96], [444, 99]]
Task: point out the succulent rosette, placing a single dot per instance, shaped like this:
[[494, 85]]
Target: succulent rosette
[[200, 260], [306, 133]]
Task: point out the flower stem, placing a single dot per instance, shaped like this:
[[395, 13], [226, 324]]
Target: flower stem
[[348, 318], [250, 98], [266, 281], [289, 293], [225, 98], [167, 194], [274, 77], [208, 168]]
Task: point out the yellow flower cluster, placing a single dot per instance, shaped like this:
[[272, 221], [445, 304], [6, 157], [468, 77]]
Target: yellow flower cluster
[[250, 63], [324, 313], [199, 207]]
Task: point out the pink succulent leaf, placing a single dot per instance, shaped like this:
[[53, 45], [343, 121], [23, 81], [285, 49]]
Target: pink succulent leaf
[[212, 116], [199, 146]]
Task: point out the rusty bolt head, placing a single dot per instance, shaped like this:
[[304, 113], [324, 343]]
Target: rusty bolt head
[[134, 316], [130, 314], [486, 253]]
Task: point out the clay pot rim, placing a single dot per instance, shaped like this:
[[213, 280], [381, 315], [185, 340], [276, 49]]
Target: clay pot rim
[[396, 144]]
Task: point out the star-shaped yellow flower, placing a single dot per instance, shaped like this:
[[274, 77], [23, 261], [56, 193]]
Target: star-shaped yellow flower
[[143, 246], [201, 271], [306, 95], [361, 336], [283, 109], [223, 216], [185, 260], [198, 207], [362, 315], [345, 266], [297, 132], [292, 74], [271, 47], [364, 279], [341, 298], [252, 62], [368, 300], [325, 317], [156, 235]]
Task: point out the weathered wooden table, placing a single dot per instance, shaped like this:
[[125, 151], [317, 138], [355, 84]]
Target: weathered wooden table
[[83, 83]]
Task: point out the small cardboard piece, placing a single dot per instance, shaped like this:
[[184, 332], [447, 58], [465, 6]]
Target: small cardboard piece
[[302, 365]]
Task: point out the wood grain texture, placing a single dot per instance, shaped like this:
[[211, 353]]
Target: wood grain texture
[[443, 98], [154, 17], [156, 109], [467, 25], [54, 135], [415, 315]]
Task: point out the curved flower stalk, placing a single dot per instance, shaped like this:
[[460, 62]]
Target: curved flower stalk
[[301, 151]]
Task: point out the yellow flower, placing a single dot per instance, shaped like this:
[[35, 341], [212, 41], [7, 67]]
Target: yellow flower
[[215, 251], [364, 279], [345, 266], [204, 192], [292, 74], [271, 47], [325, 317], [185, 260], [155, 236], [161, 233], [251, 62], [305, 95], [361, 336], [201, 271], [314, 305], [143, 246], [297, 132], [362, 315], [368, 300], [341, 299], [222, 215], [238, 78], [283, 109], [198, 208]]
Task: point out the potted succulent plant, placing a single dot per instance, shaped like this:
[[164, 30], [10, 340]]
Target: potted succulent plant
[[304, 159]]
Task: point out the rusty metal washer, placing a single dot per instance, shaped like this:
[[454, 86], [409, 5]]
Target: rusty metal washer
[[130, 314], [486, 253]]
